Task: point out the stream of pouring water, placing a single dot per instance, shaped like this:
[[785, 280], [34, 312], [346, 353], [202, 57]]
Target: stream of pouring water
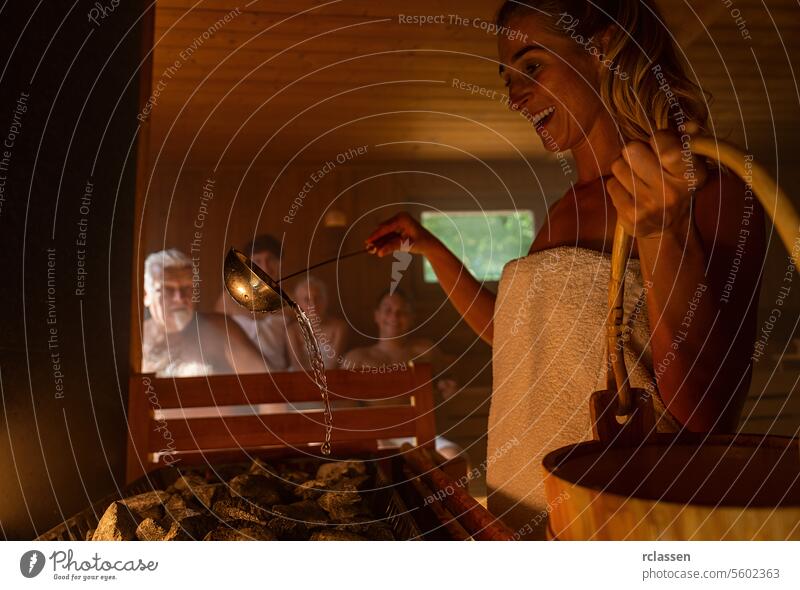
[[318, 371]]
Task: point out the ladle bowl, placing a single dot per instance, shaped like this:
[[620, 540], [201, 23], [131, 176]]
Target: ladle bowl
[[252, 288]]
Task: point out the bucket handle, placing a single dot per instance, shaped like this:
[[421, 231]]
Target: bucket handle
[[775, 202]]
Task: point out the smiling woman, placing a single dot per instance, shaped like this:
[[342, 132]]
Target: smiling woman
[[630, 137], [593, 49]]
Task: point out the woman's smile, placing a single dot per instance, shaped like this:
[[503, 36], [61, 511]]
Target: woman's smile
[[541, 118]]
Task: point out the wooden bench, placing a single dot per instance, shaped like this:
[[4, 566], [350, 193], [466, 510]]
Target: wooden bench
[[164, 428]]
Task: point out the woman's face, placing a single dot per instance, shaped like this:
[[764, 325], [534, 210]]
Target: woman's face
[[311, 300], [393, 317], [545, 70]]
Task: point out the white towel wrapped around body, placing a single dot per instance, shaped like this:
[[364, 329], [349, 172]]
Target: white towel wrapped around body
[[549, 355]]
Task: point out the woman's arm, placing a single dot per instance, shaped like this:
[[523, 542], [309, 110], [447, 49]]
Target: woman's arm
[[471, 299], [702, 325]]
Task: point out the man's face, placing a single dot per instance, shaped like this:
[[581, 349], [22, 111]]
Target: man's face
[[393, 317], [267, 262], [311, 300], [170, 301]]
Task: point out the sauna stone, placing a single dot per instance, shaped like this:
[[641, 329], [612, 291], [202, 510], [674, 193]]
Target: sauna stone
[[179, 515], [355, 483], [257, 488], [241, 531], [344, 511], [314, 488], [150, 530], [296, 521], [176, 503], [206, 494], [294, 477], [259, 467], [117, 524], [187, 484], [148, 505], [305, 511], [374, 530], [340, 469], [190, 527], [342, 504], [240, 509], [289, 530], [176, 533], [336, 535], [311, 489]]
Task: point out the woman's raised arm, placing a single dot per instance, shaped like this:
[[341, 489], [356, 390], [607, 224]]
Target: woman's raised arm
[[471, 299]]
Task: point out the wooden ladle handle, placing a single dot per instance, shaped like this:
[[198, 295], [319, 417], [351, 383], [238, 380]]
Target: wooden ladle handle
[[776, 203], [617, 372]]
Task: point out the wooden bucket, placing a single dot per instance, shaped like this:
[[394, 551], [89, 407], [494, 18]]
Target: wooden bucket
[[633, 485], [718, 487]]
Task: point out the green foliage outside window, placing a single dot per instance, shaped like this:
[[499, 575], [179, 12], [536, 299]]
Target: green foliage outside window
[[484, 240]]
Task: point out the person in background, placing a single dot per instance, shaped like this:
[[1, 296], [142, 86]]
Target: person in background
[[331, 332], [266, 331], [394, 317], [396, 348], [179, 341]]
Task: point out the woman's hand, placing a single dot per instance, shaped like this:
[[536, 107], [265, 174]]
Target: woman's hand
[[409, 236], [471, 299], [653, 185]]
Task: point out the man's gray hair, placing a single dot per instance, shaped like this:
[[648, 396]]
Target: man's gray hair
[[156, 262]]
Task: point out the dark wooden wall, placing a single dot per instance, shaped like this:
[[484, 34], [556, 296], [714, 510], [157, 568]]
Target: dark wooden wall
[[62, 442]]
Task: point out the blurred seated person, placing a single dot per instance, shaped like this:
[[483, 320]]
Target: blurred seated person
[[394, 317], [266, 331], [396, 347], [180, 342], [311, 295]]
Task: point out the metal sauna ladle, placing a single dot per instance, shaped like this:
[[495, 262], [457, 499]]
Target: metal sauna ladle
[[252, 288]]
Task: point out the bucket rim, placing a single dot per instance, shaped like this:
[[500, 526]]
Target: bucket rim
[[555, 459]]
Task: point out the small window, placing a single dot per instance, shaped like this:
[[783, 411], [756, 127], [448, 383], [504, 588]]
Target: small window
[[484, 240]]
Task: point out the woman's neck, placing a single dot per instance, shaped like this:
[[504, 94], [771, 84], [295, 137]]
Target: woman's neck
[[597, 150]]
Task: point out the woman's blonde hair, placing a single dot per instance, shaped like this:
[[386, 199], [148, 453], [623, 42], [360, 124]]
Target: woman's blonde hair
[[656, 93]]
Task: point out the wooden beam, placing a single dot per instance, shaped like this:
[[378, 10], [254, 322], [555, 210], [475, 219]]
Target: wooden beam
[[286, 429], [225, 390]]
